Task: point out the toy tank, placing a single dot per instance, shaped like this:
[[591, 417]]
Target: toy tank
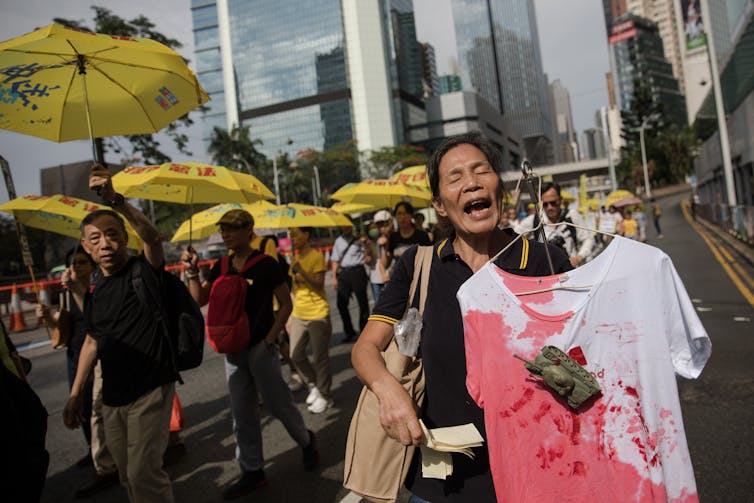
[[564, 375]]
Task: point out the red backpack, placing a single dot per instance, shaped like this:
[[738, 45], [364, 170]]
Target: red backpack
[[227, 325]]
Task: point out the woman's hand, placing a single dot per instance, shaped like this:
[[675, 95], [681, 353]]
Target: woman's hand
[[398, 414]]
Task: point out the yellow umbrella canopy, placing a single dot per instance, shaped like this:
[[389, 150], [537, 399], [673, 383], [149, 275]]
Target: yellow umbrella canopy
[[190, 183], [299, 215], [414, 175], [205, 222], [384, 194], [617, 195], [350, 208], [64, 84], [59, 214]]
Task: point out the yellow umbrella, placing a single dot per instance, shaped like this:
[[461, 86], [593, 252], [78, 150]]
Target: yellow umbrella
[[299, 215], [384, 194], [204, 223], [64, 84], [59, 214], [190, 183], [414, 175], [350, 208], [567, 196], [616, 195]]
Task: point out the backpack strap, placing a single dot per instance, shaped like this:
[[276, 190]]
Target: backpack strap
[[224, 265], [141, 281], [251, 263]]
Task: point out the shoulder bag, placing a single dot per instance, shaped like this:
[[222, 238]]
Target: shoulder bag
[[62, 332], [375, 465]]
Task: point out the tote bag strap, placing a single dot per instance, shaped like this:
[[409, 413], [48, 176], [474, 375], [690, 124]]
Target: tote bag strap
[[422, 266]]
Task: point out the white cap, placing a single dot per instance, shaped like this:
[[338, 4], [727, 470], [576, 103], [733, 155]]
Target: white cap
[[382, 216]]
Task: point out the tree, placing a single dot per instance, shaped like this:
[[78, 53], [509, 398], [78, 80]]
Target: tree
[[680, 146], [336, 166], [385, 161], [143, 147], [236, 150]]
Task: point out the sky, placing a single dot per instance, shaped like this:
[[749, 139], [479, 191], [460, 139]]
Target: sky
[[572, 41]]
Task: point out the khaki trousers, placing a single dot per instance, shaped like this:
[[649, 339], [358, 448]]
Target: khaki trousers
[[103, 460], [317, 332], [137, 435]]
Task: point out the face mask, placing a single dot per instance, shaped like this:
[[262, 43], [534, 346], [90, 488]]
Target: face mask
[[374, 233]]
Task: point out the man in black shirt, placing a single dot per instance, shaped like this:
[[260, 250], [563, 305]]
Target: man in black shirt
[[137, 375], [256, 368]]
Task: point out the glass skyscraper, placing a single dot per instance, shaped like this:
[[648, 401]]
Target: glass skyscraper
[[498, 48], [309, 73]]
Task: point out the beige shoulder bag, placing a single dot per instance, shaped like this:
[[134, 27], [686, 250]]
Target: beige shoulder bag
[[375, 465]]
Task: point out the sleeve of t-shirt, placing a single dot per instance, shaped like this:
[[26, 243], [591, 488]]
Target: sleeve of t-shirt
[[690, 347], [316, 265], [337, 250], [473, 349], [391, 304]]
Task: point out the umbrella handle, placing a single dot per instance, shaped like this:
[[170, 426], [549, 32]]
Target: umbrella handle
[[80, 63]]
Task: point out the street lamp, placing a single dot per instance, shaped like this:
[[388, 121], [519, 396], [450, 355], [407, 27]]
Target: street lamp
[[644, 125]]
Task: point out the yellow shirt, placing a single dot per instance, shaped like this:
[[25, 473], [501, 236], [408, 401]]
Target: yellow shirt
[[630, 227], [309, 303]]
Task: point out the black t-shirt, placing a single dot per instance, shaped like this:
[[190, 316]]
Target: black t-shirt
[[130, 342], [447, 402], [262, 278], [397, 244]]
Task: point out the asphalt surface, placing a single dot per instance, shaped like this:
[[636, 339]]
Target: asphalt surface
[[718, 407]]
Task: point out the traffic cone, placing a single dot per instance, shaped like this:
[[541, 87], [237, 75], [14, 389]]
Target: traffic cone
[[17, 322]]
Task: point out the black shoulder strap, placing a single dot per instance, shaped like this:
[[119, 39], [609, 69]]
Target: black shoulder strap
[[347, 247], [146, 283]]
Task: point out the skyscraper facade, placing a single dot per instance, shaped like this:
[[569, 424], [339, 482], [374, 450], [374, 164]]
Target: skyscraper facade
[[310, 74], [450, 84], [430, 84], [636, 54], [498, 48], [567, 144]]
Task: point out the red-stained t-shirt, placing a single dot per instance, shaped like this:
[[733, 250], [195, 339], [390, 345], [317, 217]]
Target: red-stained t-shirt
[[632, 334]]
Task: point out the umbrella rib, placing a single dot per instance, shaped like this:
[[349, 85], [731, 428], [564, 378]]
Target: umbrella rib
[[65, 100], [136, 99]]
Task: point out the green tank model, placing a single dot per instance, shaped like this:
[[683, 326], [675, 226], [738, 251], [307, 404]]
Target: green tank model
[[564, 375]]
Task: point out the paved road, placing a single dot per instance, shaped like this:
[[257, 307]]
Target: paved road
[[718, 407]]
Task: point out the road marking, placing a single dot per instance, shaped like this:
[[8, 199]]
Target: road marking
[[31, 345], [748, 295], [351, 498], [696, 301], [703, 309], [741, 318]]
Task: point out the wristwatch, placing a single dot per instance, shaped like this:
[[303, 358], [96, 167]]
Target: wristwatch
[[117, 200]]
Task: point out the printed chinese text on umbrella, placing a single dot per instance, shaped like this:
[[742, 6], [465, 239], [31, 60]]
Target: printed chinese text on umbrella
[[384, 194], [414, 175], [59, 214], [190, 183], [64, 84]]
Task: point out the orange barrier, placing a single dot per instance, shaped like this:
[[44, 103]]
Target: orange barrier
[[17, 322]]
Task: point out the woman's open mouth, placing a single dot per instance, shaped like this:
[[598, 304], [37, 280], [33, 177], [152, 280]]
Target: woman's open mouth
[[478, 208]]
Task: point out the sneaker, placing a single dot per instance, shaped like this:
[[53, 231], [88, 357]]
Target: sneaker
[[244, 485], [311, 455], [98, 484], [660, 236], [313, 395], [320, 405]]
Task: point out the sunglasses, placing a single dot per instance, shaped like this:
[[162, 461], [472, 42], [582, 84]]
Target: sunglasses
[[545, 204], [229, 227]]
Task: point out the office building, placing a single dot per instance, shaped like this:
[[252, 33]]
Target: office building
[[498, 48], [460, 112], [564, 133], [352, 71], [430, 84], [636, 57], [449, 84], [593, 144]]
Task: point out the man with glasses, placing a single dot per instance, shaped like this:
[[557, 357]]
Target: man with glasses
[[256, 368], [577, 243]]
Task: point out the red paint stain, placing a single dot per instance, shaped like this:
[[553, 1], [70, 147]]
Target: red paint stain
[[579, 468], [544, 407], [528, 393], [575, 429], [631, 391], [577, 354]]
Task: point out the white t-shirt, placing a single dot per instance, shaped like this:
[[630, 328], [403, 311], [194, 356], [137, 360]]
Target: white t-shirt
[[634, 328]]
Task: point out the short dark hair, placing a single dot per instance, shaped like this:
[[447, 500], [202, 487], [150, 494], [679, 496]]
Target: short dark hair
[[308, 230], [406, 206], [550, 185], [77, 250], [475, 138], [91, 217]]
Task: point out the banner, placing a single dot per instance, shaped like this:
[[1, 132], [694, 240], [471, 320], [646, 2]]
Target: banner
[[692, 24]]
